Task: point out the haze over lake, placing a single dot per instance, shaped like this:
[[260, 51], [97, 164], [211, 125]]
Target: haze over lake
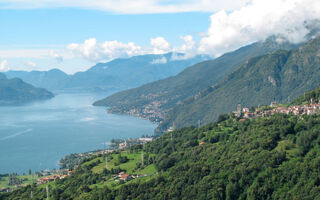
[[37, 135]]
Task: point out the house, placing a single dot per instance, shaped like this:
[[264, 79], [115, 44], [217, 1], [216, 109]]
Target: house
[[245, 110], [123, 176], [4, 189], [47, 179], [248, 115], [201, 143], [273, 103]]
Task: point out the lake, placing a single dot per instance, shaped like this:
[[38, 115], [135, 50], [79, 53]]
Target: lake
[[37, 135]]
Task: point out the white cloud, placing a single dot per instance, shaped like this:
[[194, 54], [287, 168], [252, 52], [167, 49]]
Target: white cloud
[[129, 6], [4, 66], [160, 45], [258, 20], [30, 64], [56, 56], [188, 44], [94, 51], [162, 60], [188, 48]]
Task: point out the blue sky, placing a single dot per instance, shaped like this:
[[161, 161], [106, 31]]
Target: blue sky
[[45, 27], [74, 35], [56, 28]]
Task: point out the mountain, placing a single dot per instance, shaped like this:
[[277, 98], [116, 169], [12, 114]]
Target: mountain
[[52, 80], [15, 91], [131, 72], [153, 100], [117, 74], [279, 76], [274, 157]]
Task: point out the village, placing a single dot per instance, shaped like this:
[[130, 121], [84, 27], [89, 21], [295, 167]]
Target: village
[[46, 176], [308, 109]]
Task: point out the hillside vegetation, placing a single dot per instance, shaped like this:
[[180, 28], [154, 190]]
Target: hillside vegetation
[[280, 76], [276, 157]]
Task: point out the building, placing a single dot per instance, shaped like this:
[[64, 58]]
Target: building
[[123, 176]]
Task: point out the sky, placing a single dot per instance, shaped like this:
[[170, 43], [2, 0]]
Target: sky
[[75, 35]]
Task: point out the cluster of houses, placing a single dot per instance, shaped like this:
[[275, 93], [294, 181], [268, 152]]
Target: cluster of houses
[[308, 109], [48, 179]]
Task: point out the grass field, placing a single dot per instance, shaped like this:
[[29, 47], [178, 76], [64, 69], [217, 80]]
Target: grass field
[[26, 179], [129, 166]]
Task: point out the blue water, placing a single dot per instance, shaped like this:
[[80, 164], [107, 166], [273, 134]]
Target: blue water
[[37, 135]]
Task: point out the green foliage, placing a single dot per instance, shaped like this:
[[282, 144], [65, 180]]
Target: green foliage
[[264, 158], [121, 159]]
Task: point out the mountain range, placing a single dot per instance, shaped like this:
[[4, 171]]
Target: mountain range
[[115, 75], [15, 91], [280, 76], [154, 100]]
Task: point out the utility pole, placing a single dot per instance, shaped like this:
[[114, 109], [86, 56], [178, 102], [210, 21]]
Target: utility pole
[[47, 190], [199, 123], [171, 136], [142, 159], [106, 162]]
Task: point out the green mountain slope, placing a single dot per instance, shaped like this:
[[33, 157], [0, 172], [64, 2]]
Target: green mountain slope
[[263, 158], [15, 91], [153, 100], [279, 76]]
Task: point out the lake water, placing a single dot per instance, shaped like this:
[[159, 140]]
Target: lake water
[[37, 135]]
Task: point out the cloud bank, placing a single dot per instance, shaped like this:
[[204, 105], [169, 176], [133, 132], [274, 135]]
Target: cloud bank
[[94, 51], [258, 20], [233, 24], [254, 21]]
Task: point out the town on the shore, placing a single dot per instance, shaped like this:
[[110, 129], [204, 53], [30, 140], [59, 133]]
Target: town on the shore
[[244, 113]]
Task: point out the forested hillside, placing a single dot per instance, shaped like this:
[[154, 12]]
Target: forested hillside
[[276, 157], [153, 100], [280, 76]]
